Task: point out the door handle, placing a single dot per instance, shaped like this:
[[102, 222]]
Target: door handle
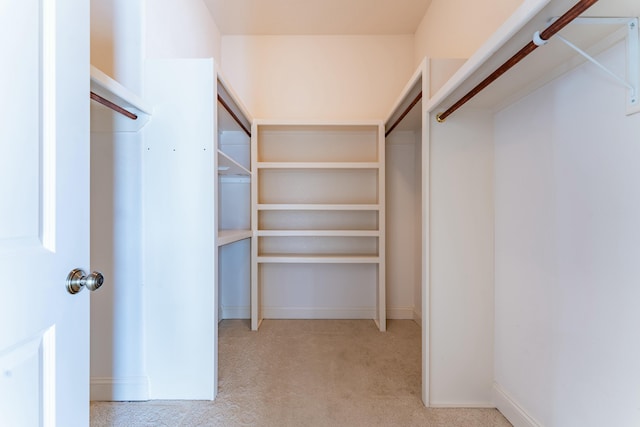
[[76, 280]]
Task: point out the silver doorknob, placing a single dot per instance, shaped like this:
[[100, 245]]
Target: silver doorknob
[[76, 280]]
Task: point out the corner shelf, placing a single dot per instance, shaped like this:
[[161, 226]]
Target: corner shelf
[[226, 237], [228, 166]]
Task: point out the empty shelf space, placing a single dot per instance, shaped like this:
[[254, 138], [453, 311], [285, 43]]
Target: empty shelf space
[[318, 233], [318, 165], [226, 237], [317, 207], [318, 259], [228, 166]]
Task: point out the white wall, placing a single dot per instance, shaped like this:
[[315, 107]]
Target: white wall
[[567, 207], [181, 29], [403, 173], [117, 37], [318, 77], [457, 28], [117, 328]]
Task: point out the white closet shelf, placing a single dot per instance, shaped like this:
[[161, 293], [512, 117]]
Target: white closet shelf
[[542, 65], [318, 165], [226, 237], [317, 207], [318, 233], [228, 166], [104, 119], [318, 259]]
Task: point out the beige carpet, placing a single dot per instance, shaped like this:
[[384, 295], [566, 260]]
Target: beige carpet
[[308, 373]]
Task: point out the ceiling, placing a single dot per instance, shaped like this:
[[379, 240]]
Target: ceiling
[[316, 17]]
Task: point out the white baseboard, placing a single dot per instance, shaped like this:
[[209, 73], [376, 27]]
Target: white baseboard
[[317, 313], [479, 405], [511, 409], [244, 312], [119, 389]]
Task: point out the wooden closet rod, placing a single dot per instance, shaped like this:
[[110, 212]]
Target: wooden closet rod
[[114, 107], [545, 35], [404, 114], [235, 117]]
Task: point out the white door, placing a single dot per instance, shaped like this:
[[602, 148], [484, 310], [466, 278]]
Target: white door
[[44, 212]]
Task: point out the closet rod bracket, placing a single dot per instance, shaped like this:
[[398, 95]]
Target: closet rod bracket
[[632, 80]]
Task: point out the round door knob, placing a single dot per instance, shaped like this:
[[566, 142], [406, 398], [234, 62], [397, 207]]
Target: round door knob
[[76, 280]]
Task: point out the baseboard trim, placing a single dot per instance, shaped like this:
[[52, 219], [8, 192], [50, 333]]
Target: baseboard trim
[[317, 313], [511, 409], [475, 405], [244, 312], [119, 389]]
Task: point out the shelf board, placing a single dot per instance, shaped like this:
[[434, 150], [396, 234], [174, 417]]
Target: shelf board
[[318, 233], [318, 259], [317, 207], [228, 166], [318, 165], [226, 237], [104, 119]]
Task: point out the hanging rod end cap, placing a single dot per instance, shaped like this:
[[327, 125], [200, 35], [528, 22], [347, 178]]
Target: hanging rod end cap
[[439, 119], [537, 40]]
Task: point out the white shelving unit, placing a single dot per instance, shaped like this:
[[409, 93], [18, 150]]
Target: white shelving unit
[[233, 214], [233, 163], [318, 201]]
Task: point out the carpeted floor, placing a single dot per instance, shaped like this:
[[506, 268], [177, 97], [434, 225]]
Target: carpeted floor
[[307, 373]]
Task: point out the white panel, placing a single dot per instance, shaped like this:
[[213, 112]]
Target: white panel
[[20, 383], [20, 149], [179, 267], [461, 293]]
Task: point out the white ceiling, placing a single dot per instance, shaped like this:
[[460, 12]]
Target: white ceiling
[[314, 17]]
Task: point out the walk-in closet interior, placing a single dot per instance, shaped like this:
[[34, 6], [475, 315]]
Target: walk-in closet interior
[[486, 195]]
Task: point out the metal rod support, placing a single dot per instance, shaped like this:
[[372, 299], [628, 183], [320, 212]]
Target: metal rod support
[[549, 32], [599, 65]]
